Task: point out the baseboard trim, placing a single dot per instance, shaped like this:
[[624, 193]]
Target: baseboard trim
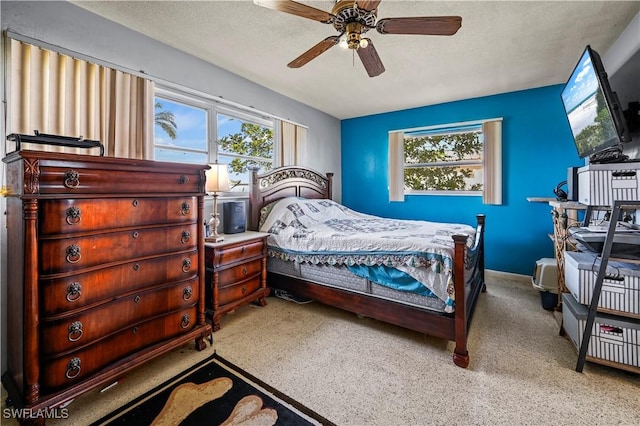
[[524, 279]]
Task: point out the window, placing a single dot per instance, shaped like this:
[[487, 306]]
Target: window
[[180, 132], [457, 159], [189, 129], [444, 160], [244, 142]]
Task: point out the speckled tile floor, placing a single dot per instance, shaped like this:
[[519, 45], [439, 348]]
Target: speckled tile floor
[[356, 371]]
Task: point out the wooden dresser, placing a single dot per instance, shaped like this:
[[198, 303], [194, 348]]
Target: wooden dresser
[[106, 270], [236, 273]]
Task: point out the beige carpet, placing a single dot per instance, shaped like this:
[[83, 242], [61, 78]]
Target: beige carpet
[[362, 372]]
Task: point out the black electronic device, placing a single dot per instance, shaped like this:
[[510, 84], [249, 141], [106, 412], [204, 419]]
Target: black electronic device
[[594, 112], [572, 184], [234, 218]]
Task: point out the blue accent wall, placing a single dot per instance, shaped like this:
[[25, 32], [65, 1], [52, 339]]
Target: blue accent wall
[[537, 149]]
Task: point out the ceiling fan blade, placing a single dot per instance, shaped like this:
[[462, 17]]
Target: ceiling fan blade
[[298, 9], [368, 5], [371, 60], [429, 25], [314, 52]]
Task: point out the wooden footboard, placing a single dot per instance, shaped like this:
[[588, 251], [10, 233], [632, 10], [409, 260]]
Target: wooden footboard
[[465, 306], [468, 270]]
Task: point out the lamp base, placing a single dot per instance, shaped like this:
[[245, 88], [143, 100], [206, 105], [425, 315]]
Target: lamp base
[[214, 239]]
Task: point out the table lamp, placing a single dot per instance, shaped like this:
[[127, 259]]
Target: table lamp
[[217, 181]]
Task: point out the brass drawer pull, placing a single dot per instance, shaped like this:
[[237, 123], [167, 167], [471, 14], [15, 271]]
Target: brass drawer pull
[[184, 179], [186, 265], [187, 293], [136, 266], [186, 236], [73, 368], [73, 215], [244, 270], [72, 179], [74, 291], [186, 209], [243, 250], [73, 253], [244, 289], [136, 299], [134, 203], [185, 321], [75, 331], [134, 330], [135, 234]]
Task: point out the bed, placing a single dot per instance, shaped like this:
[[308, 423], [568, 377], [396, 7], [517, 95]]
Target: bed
[[369, 279]]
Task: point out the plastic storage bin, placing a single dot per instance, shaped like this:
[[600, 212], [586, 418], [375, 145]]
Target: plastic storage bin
[[545, 279]]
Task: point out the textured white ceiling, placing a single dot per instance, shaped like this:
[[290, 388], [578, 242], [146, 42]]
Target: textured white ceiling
[[502, 46]]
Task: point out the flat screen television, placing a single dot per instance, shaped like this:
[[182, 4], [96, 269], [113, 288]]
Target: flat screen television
[[593, 110]]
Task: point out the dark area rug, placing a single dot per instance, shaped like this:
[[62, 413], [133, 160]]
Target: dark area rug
[[213, 392]]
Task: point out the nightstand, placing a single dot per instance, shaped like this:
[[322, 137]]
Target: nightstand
[[235, 273]]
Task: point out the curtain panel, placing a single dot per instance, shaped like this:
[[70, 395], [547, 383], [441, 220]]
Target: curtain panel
[[58, 94], [292, 148]]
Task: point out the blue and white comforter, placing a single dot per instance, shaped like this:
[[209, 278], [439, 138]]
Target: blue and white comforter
[[323, 231]]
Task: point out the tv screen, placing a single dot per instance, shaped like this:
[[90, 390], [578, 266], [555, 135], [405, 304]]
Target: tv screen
[[591, 107]]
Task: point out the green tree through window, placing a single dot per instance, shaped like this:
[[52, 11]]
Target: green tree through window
[[443, 161]]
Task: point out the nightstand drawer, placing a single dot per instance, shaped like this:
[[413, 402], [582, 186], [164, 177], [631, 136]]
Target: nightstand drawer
[[238, 290], [229, 277], [233, 253]]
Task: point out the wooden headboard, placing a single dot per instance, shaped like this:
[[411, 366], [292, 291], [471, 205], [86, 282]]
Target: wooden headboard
[[290, 181]]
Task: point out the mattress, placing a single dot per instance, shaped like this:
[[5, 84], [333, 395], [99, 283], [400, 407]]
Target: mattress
[[339, 276]]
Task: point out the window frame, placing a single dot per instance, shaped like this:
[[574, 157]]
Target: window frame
[[213, 108], [491, 163]]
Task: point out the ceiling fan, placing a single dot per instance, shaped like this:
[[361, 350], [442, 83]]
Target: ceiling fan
[[353, 18]]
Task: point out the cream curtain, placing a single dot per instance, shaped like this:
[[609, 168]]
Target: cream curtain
[[292, 149], [57, 94], [492, 187], [396, 166]]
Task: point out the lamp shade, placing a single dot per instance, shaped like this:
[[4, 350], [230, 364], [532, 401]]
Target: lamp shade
[[217, 178]]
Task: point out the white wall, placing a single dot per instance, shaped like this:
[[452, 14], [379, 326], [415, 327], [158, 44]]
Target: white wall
[[72, 28]]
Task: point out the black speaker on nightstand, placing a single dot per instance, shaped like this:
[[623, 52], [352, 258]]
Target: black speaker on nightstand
[[234, 218]]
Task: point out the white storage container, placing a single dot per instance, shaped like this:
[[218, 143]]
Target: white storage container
[[601, 184], [613, 338], [545, 275], [620, 287], [545, 279]]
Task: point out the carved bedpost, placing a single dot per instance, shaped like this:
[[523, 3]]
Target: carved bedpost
[[460, 353], [254, 199], [330, 185], [481, 220]]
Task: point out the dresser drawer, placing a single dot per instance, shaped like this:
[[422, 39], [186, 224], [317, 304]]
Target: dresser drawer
[[75, 179], [240, 272], [232, 253], [72, 292], [81, 329], [75, 366], [238, 290], [69, 254], [78, 215]]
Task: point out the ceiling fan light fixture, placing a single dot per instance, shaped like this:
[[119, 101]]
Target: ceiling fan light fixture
[[354, 18]]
